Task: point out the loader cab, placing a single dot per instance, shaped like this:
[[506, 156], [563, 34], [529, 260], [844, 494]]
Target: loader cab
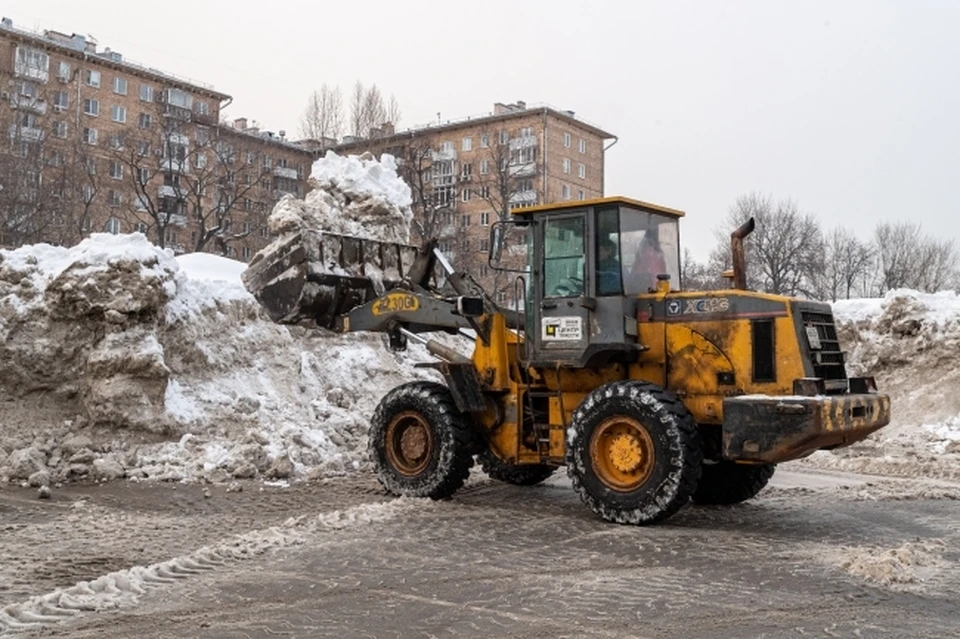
[[587, 264]]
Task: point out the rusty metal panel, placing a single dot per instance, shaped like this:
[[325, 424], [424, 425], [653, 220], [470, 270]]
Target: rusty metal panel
[[769, 429]]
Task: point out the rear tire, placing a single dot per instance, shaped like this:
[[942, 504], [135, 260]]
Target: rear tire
[[518, 475], [724, 482], [420, 443], [633, 452]]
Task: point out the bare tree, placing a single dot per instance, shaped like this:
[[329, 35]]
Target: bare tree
[[846, 262], [369, 111], [783, 253], [180, 171], [698, 276], [323, 118], [505, 180], [907, 258]]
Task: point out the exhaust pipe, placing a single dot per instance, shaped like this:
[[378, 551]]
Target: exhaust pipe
[[739, 255]]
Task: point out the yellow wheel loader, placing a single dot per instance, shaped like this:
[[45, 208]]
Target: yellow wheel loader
[[649, 394]]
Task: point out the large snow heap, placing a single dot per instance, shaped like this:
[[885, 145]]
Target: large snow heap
[[910, 342], [353, 195]]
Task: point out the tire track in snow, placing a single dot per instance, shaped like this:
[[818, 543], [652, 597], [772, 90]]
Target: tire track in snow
[[124, 588]]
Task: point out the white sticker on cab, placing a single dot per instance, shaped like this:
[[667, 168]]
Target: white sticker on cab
[[562, 328]]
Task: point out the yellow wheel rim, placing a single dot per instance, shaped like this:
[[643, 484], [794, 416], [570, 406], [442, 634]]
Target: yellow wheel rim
[[622, 453], [409, 442]]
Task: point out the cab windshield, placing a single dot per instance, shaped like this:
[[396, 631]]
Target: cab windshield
[[633, 248]]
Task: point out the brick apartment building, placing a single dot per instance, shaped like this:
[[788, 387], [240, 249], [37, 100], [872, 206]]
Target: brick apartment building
[[466, 174], [92, 142]]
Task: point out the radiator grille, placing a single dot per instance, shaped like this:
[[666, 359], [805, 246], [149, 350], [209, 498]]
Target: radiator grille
[[828, 359]]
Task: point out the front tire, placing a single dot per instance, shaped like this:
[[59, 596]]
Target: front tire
[[420, 443], [633, 452], [724, 482], [518, 475]]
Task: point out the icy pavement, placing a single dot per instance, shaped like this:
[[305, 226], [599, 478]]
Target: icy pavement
[[339, 558]]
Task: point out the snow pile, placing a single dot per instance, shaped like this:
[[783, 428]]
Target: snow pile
[[354, 195], [906, 567], [122, 361], [910, 342]]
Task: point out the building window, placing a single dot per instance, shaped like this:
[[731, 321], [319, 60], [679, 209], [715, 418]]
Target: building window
[[250, 157], [484, 245], [56, 158], [60, 129], [504, 137], [146, 93], [178, 98], [116, 170], [116, 141], [583, 146], [246, 253], [61, 101], [484, 141], [526, 132], [143, 176], [566, 140], [566, 192], [484, 192], [91, 107], [144, 121], [582, 195], [484, 167], [464, 220], [581, 171], [64, 72], [92, 78], [113, 224], [203, 108], [465, 195], [120, 86], [466, 171], [140, 227], [91, 165], [484, 219], [466, 144], [89, 135], [446, 147], [201, 160], [32, 63], [114, 198], [27, 89], [118, 113], [484, 270], [566, 165], [143, 148]]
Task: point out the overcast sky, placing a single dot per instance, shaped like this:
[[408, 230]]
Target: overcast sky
[[850, 108]]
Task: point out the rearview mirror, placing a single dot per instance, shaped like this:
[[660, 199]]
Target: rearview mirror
[[499, 232]]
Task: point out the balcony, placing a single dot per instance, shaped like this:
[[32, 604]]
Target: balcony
[[523, 142], [175, 166], [25, 133], [285, 172], [166, 190], [522, 170], [27, 103], [524, 197], [32, 72], [443, 155], [176, 219]]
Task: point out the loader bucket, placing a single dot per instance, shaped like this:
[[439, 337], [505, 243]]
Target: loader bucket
[[319, 276]]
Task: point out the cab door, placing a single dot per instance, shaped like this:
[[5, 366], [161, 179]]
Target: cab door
[[561, 321]]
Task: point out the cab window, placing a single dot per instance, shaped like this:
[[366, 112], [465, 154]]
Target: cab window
[[563, 257]]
